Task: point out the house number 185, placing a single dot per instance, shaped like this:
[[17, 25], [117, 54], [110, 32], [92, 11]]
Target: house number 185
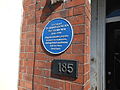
[[65, 67]]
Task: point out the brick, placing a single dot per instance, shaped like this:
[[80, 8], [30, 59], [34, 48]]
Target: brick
[[22, 62], [39, 80], [79, 39], [87, 86], [40, 57], [86, 59], [74, 3], [79, 10], [28, 85], [39, 35], [77, 20], [76, 87], [40, 49], [70, 12], [27, 77], [88, 5], [31, 27], [21, 88], [44, 3], [69, 50], [30, 42], [22, 83], [22, 48], [80, 69], [77, 48], [50, 57], [87, 49], [86, 68], [22, 69], [31, 21], [87, 21], [78, 29], [38, 0], [29, 8], [87, 29], [22, 55], [64, 13], [42, 64], [39, 72], [38, 42], [20, 76], [67, 86], [47, 73], [29, 63], [23, 42], [80, 79], [29, 48], [87, 12], [55, 84], [29, 70], [40, 87], [23, 36], [30, 56], [28, 2], [67, 56], [39, 27], [38, 15], [78, 57], [52, 89], [86, 77], [56, 15], [30, 35]]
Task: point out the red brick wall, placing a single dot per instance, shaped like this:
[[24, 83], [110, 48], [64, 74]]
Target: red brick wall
[[35, 61]]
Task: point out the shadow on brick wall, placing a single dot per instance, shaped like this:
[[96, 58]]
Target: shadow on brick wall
[[48, 9]]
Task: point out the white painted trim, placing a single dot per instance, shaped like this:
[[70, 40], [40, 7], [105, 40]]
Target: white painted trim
[[93, 46], [99, 37], [101, 30], [113, 19]]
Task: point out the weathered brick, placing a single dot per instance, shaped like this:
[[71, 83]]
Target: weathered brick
[[75, 3], [77, 48], [27, 77], [55, 84], [76, 87], [67, 86], [78, 29], [77, 20], [79, 38], [79, 10]]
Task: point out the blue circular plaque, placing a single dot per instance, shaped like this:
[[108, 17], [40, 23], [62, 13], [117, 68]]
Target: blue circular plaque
[[57, 36]]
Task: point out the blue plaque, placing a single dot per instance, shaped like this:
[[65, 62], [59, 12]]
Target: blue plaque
[[57, 36]]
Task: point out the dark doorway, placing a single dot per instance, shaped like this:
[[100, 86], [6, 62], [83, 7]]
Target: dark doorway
[[112, 8], [113, 56], [113, 45]]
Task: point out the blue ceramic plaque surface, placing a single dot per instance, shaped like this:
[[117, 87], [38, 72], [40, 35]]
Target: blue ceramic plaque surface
[[57, 36]]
